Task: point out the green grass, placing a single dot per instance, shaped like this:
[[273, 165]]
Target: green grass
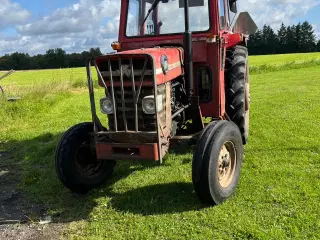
[[283, 58], [279, 192]]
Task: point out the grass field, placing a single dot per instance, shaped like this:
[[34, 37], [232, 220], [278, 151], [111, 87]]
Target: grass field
[[283, 58], [279, 192]]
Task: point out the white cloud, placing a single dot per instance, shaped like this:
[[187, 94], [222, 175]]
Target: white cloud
[[12, 13], [274, 12], [88, 23], [80, 17], [316, 31]]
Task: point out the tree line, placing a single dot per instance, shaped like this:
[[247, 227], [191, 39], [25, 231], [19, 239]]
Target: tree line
[[298, 38], [53, 58], [288, 39]]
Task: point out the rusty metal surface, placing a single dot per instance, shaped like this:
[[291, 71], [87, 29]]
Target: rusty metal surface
[[167, 128], [124, 133], [244, 24], [121, 151], [126, 112], [7, 74], [127, 137]]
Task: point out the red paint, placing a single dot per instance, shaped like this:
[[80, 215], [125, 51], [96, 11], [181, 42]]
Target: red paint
[[112, 151], [204, 54], [233, 39], [175, 56]]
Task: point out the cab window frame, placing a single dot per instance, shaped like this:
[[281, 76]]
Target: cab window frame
[[167, 34]]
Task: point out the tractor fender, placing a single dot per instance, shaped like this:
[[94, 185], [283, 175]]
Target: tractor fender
[[202, 144]]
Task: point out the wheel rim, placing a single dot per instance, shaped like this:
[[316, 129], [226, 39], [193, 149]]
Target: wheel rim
[[227, 164], [86, 161]]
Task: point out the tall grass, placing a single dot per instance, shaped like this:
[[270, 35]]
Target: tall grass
[[264, 68]]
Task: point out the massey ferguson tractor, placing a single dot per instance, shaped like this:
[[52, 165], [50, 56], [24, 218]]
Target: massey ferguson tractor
[[180, 71]]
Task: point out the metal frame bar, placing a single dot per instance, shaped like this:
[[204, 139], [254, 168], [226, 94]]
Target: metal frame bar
[[104, 84], [155, 89], [98, 128], [122, 97], [142, 78], [136, 91], [2, 77], [7, 74], [113, 98], [96, 122], [134, 97], [129, 132]]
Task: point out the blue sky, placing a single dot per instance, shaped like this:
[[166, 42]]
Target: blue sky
[[34, 26], [312, 16], [44, 7]]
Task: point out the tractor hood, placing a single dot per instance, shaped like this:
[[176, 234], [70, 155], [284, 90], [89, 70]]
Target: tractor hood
[[161, 63]]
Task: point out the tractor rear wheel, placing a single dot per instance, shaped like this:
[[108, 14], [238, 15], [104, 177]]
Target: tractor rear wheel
[[76, 163], [237, 88], [217, 162]]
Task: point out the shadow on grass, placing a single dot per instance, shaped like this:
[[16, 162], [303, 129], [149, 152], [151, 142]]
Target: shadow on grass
[[158, 199], [39, 185]]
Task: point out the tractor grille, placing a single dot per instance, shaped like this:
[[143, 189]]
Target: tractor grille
[[138, 69], [145, 122], [128, 79]]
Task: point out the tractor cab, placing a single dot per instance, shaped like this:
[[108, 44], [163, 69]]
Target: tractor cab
[[167, 17], [177, 63]]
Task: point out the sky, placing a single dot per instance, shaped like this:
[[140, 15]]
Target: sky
[[34, 26]]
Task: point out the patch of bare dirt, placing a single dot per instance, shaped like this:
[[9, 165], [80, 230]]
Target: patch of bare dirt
[[19, 218], [31, 232]]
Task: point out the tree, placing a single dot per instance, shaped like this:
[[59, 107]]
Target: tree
[[255, 43], [282, 41], [269, 40], [308, 38], [298, 41], [290, 46], [288, 39], [95, 52], [55, 58]]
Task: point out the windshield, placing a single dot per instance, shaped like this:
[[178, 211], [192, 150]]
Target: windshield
[[167, 17]]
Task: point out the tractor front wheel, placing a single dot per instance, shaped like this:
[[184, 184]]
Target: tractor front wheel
[[217, 162], [76, 163]]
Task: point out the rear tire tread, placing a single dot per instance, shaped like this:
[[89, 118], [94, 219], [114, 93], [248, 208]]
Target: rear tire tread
[[235, 73]]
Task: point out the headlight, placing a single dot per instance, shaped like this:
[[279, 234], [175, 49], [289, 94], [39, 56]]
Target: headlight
[[149, 106], [106, 106]]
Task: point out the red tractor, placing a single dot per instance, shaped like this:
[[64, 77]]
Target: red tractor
[[179, 64]]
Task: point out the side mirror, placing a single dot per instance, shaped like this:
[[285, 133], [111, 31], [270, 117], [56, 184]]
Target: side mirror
[[233, 6]]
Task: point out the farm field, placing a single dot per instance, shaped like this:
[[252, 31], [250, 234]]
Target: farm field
[[279, 191], [283, 58]]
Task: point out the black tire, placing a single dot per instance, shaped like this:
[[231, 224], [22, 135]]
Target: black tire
[[205, 165], [237, 89], [76, 163]]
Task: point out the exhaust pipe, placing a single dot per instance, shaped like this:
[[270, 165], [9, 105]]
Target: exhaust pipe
[[188, 63]]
